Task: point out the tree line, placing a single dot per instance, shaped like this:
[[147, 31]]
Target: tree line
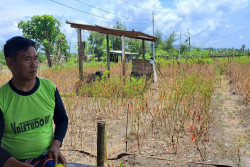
[[45, 31]]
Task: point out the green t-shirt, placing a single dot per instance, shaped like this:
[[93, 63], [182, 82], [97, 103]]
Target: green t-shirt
[[28, 119]]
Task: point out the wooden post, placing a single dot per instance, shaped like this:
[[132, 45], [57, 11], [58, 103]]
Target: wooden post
[[101, 143], [80, 53], [108, 55], [123, 59], [143, 56]]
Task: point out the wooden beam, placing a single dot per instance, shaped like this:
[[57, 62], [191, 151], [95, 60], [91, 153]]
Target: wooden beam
[[143, 56], [108, 55], [80, 53], [123, 59], [105, 30]]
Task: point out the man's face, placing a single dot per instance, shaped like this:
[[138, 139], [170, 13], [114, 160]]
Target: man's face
[[25, 65]]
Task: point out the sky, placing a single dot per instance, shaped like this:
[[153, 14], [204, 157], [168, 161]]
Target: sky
[[210, 23]]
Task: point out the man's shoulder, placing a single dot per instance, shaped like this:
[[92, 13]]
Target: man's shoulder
[[4, 87], [4, 92], [47, 83]]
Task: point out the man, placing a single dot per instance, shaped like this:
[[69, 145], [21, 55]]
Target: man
[[28, 107], [151, 61]]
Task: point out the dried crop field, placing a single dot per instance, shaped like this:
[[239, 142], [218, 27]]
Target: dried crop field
[[175, 122]]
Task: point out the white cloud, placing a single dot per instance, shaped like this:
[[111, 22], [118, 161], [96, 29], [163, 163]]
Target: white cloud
[[241, 36], [205, 19], [9, 27], [202, 17]]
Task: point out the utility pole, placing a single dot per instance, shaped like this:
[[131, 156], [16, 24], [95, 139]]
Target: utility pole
[[180, 47], [153, 22], [189, 40]]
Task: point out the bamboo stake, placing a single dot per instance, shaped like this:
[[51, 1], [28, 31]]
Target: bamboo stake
[[101, 143]]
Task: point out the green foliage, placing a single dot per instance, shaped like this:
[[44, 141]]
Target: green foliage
[[165, 47], [41, 57], [168, 44], [105, 74], [72, 62], [162, 62], [61, 45], [135, 46], [104, 47], [160, 52], [114, 88], [158, 35], [2, 58], [116, 40], [199, 56], [44, 30], [95, 40], [243, 48], [184, 48]]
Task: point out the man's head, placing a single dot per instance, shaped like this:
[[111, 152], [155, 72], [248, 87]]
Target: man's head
[[17, 44], [21, 58]]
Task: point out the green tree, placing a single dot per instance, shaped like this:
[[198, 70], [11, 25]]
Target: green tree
[[135, 46], [159, 51], [243, 48], [169, 42], [61, 46], [116, 40], [104, 47], [95, 40], [97, 43], [159, 40], [184, 48], [43, 30], [165, 47]]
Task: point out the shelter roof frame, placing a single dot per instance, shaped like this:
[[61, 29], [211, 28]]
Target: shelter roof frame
[[113, 31]]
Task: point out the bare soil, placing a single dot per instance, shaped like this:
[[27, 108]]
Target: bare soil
[[229, 138]]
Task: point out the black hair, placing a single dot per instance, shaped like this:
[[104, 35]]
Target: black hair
[[17, 44]]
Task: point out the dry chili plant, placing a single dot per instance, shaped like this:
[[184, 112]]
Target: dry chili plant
[[180, 109], [240, 77], [182, 106]]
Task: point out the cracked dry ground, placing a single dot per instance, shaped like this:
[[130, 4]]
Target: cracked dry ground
[[229, 138]]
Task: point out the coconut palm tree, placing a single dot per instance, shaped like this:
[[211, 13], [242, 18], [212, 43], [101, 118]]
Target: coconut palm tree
[[243, 48]]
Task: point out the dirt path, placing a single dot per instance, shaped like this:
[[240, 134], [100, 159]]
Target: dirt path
[[230, 135]]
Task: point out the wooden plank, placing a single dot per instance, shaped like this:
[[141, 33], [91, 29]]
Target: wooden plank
[[137, 66], [143, 56], [78, 165], [123, 59], [108, 55], [80, 53]]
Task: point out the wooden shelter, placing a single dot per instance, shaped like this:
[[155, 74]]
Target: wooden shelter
[[105, 30]]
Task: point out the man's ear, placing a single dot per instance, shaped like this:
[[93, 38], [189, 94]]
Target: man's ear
[[9, 62]]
